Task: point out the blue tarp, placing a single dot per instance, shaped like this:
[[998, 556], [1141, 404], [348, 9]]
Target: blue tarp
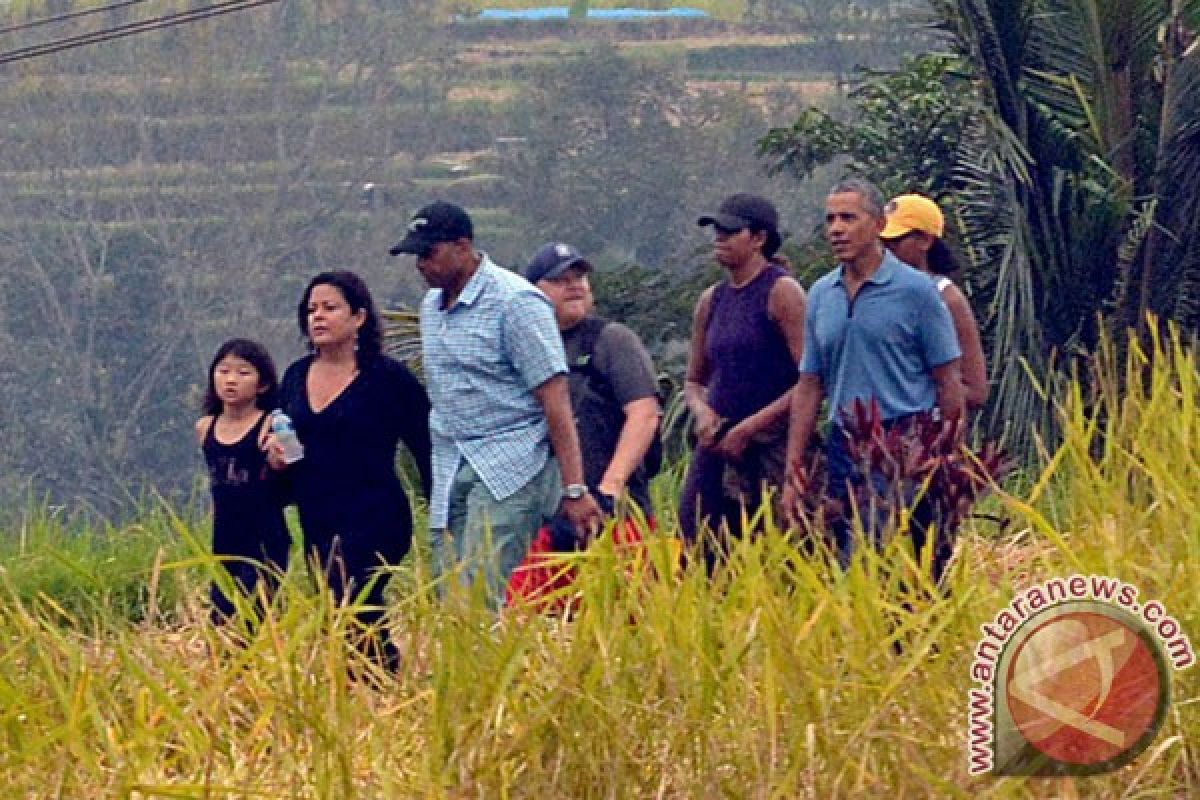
[[560, 12]]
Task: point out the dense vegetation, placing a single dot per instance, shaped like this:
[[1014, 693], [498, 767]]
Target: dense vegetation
[[781, 678]]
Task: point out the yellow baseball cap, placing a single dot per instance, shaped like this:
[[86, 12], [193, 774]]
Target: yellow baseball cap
[[913, 212]]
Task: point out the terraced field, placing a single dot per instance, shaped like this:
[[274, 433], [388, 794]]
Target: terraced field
[[237, 138], [207, 172]]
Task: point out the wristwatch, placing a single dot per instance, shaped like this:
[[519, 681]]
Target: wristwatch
[[574, 491]]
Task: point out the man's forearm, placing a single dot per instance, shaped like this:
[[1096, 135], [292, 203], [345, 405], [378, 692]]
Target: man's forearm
[[564, 440], [638, 432], [806, 402]]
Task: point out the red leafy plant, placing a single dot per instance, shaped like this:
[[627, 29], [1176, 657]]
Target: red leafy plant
[[922, 459]]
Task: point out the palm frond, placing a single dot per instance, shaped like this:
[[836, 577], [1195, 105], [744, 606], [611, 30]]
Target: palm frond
[[1063, 66], [402, 337], [1136, 234], [991, 174], [991, 34], [1175, 288]]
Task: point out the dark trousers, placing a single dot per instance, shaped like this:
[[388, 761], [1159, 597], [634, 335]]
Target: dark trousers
[[350, 563], [250, 564], [715, 492], [846, 480]]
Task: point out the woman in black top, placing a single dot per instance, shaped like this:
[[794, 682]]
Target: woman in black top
[[350, 405]]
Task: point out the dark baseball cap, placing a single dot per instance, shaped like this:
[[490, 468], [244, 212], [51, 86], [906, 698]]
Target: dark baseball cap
[[744, 210], [436, 222], [553, 259]]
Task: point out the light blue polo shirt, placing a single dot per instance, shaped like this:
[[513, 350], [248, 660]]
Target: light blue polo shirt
[[884, 345]]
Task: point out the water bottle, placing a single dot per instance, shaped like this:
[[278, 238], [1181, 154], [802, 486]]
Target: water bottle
[[285, 434]]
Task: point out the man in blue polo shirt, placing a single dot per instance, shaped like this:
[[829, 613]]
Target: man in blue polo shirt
[[876, 329], [505, 450]]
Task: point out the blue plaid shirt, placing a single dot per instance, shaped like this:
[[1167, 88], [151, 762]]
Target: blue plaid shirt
[[483, 358]]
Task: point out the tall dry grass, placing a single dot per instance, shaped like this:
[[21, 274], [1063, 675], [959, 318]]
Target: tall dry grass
[[781, 678]]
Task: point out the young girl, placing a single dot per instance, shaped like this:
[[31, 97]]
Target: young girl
[[248, 524]]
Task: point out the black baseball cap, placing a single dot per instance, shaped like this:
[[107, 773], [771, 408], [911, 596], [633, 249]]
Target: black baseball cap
[[744, 210], [436, 222], [553, 259]]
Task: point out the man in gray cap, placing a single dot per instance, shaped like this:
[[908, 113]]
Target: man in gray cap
[[614, 396], [612, 381], [505, 452]]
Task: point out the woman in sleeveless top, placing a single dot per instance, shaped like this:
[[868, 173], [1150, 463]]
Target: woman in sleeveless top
[[914, 231], [249, 531], [747, 338]]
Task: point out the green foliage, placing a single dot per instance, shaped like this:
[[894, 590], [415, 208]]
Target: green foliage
[[1047, 178], [781, 677], [802, 59], [902, 132], [601, 109], [656, 303], [88, 572], [100, 307], [1170, 279]]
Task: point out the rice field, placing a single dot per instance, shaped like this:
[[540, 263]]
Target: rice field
[[784, 677]]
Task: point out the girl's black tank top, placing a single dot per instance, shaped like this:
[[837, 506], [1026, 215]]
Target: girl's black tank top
[[247, 502]]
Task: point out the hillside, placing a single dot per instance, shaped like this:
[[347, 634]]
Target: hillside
[[199, 176]]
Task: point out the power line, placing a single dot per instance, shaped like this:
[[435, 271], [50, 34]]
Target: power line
[[37, 23], [130, 29]]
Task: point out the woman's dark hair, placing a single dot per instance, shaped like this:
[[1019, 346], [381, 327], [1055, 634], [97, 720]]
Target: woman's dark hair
[[941, 259], [772, 245], [358, 297], [258, 357]]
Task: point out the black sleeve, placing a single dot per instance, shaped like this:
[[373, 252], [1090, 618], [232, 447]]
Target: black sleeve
[[291, 388], [411, 410], [280, 481]]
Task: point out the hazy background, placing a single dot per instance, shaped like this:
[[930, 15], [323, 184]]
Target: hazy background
[[165, 192]]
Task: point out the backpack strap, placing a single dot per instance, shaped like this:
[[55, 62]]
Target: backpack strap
[[584, 364], [589, 334]]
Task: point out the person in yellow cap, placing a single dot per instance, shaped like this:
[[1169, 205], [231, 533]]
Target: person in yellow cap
[[913, 233]]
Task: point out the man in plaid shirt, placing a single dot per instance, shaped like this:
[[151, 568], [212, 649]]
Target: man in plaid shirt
[[505, 451]]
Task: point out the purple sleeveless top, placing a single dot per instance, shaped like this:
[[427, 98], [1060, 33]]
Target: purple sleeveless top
[[747, 353]]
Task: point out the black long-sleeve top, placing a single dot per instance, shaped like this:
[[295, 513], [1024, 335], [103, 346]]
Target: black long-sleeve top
[[346, 484]]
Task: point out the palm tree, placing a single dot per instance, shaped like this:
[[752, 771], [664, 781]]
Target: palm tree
[[402, 336], [1089, 121], [1075, 170]]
